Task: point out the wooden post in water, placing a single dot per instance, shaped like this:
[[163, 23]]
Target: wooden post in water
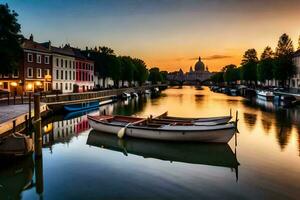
[[37, 126], [29, 110], [39, 177]]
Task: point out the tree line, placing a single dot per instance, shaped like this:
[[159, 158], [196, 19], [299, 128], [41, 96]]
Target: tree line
[[107, 63], [276, 65]]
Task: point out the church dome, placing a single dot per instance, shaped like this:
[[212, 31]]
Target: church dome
[[199, 66]]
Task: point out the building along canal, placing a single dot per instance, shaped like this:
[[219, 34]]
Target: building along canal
[[79, 163]]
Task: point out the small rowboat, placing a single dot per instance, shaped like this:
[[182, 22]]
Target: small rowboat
[[16, 144], [145, 128], [197, 121]]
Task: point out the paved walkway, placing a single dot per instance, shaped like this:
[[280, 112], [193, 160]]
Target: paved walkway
[[8, 112]]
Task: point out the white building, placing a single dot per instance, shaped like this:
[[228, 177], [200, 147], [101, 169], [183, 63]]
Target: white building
[[295, 81], [64, 71]]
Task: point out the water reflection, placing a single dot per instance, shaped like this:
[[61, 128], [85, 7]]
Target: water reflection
[[250, 119], [15, 177], [219, 155]]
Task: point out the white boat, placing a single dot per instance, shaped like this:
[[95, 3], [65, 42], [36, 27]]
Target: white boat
[[233, 92], [135, 95], [126, 95], [265, 95], [144, 128], [147, 92]]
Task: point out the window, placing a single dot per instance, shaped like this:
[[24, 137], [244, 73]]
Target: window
[[47, 72], [66, 75], [61, 74], [56, 86], [70, 86], [61, 86], [57, 74], [70, 64], [5, 76], [66, 63], [92, 67], [0, 75], [73, 75], [38, 58], [70, 75], [46, 59], [73, 64], [29, 72], [39, 73], [5, 85], [29, 57], [57, 62], [61, 63], [66, 86]]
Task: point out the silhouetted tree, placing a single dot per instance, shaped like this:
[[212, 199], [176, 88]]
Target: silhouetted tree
[[217, 78], [265, 65], [141, 73], [284, 67], [10, 40], [231, 73], [155, 75], [249, 63], [127, 69]]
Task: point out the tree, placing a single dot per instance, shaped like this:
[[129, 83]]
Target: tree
[[127, 69], [141, 73], [265, 65], [218, 77], [231, 73], [114, 69], [164, 75], [284, 67], [155, 75], [248, 68], [10, 40]]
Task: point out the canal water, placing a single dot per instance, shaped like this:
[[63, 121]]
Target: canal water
[[263, 162]]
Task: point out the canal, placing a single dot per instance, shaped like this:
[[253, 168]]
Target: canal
[[78, 163]]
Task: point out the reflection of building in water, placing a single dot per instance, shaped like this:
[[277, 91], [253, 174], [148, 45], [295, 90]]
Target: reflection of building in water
[[63, 131]]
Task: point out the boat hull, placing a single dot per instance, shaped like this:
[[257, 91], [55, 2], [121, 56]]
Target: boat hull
[[216, 134], [81, 106]]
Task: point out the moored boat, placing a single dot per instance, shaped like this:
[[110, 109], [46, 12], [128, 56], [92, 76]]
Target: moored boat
[[81, 106], [16, 144], [265, 95], [145, 128]]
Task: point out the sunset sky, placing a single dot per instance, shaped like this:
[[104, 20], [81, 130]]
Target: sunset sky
[[164, 33]]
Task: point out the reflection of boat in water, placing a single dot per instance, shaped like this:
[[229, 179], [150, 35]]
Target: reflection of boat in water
[[15, 176], [75, 114], [194, 153]]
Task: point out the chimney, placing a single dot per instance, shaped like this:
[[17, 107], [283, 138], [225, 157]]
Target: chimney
[[31, 37], [49, 45]]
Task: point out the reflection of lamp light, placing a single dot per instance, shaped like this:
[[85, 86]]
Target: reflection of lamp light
[[14, 84], [38, 83], [29, 86]]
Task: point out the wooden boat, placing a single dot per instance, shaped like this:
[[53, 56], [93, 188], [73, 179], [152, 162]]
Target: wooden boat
[[81, 106], [16, 144], [197, 120], [144, 128], [219, 155]]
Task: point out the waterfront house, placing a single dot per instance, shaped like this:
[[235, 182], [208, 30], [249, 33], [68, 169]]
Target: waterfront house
[[34, 72], [295, 80], [84, 71], [63, 68]]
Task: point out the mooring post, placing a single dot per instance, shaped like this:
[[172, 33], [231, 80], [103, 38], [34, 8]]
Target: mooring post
[[37, 126], [29, 110], [39, 177], [14, 126]]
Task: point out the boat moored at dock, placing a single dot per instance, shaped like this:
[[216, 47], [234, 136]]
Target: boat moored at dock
[[265, 95], [145, 128]]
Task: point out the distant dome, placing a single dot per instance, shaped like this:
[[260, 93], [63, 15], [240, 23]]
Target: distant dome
[[199, 66]]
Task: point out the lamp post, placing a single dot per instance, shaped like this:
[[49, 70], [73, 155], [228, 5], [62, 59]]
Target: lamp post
[[14, 85]]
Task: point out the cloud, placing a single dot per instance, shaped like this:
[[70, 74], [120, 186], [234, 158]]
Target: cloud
[[213, 57]]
